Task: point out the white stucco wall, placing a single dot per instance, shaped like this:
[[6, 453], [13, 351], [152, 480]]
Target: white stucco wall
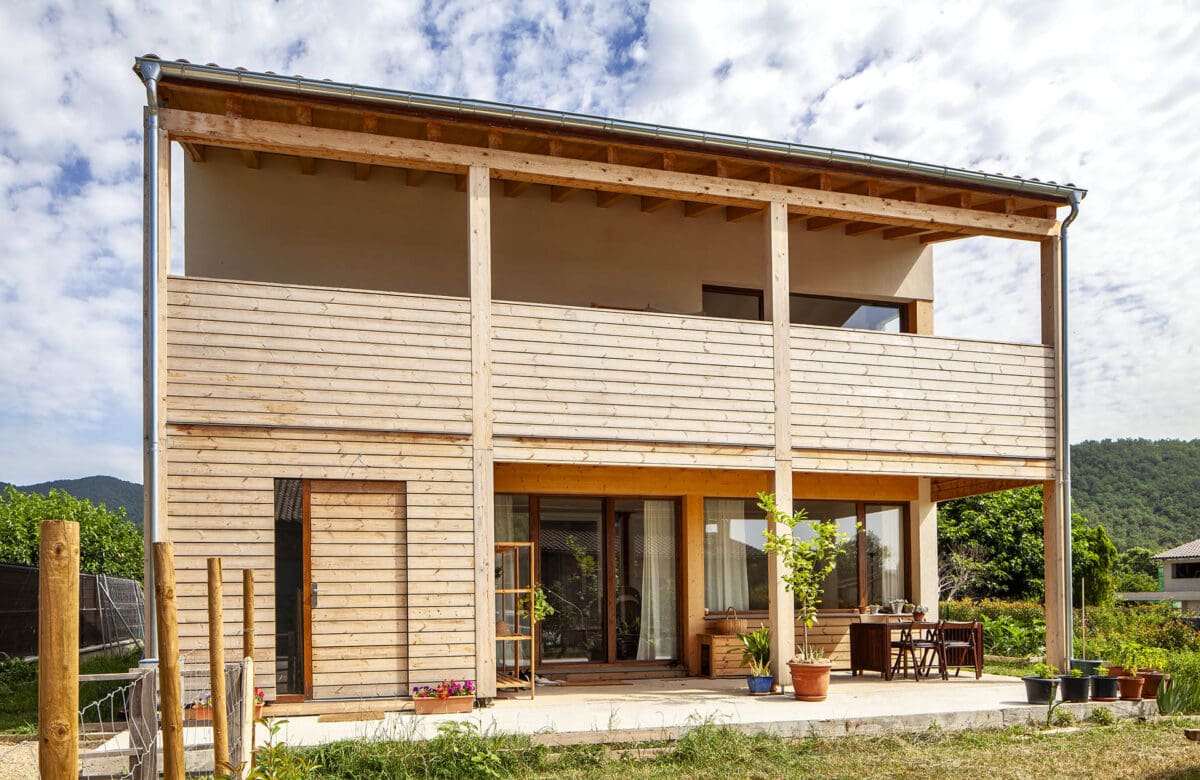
[[274, 224]]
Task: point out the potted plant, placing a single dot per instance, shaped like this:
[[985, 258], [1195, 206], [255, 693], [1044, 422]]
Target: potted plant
[[1040, 685], [806, 563], [1075, 686], [201, 708], [756, 654], [919, 611], [1153, 660], [1104, 686], [449, 696], [1129, 658]]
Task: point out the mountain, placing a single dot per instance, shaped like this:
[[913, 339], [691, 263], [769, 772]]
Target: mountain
[[110, 491], [1145, 493]]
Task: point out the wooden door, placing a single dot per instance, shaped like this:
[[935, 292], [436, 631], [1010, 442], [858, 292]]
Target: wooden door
[[358, 589]]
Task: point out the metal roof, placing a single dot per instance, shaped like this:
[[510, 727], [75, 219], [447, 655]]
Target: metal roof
[[483, 110], [1189, 550]]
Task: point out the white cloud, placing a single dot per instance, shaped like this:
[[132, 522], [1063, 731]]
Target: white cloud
[[1107, 95]]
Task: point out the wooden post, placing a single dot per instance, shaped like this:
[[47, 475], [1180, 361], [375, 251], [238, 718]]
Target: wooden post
[[248, 711], [479, 220], [247, 613], [58, 650], [216, 669], [782, 615], [169, 679], [1058, 611]]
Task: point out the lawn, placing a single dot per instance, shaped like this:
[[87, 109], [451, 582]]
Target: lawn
[[1124, 750], [19, 688]]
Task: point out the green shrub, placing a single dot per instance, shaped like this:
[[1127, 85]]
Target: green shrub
[[1102, 716]]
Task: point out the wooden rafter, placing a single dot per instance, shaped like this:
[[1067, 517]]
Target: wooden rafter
[[362, 171], [414, 176], [862, 228], [308, 165], [606, 199], [738, 213], [195, 151], [933, 238], [824, 223], [897, 233], [652, 204], [397, 151], [514, 188], [252, 159], [693, 208], [560, 194]]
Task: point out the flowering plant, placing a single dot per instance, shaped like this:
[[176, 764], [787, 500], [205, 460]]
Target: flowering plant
[[203, 701], [444, 690], [260, 696]]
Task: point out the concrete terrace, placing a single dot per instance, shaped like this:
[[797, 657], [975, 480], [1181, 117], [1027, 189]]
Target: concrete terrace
[[665, 709]]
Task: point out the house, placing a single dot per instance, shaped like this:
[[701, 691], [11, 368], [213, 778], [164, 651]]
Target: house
[[408, 328], [1179, 578]]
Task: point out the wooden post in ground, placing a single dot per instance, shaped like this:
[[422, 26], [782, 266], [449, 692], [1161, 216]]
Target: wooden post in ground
[[58, 650], [248, 711], [216, 669], [169, 679], [247, 613]]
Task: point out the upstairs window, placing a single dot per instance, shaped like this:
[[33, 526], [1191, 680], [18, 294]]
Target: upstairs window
[[848, 313], [1189, 570], [733, 303]]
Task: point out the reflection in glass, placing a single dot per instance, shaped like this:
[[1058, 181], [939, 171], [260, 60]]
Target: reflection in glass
[[572, 575], [885, 553], [735, 565], [841, 587], [644, 533], [841, 313], [512, 518]]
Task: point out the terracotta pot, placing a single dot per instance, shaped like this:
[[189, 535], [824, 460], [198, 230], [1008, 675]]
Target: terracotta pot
[[198, 713], [1130, 688], [452, 704], [1118, 671], [1153, 681], [810, 680]]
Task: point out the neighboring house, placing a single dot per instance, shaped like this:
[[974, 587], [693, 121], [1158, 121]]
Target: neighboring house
[[408, 327], [1180, 578]]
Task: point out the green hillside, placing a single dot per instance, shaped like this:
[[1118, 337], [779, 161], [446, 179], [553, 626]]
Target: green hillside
[[110, 491], [1145, 493]]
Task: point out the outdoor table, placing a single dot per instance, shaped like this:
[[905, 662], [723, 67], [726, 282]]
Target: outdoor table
[[871, 645]]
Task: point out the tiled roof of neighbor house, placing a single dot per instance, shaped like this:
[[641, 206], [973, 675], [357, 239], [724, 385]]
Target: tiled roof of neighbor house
[[301, 87], [1189, 550]]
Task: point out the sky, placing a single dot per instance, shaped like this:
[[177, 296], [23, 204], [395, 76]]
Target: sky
[[1105, 95]]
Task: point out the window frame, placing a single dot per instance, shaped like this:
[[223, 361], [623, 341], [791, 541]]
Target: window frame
[[900, 305], [728, 290]]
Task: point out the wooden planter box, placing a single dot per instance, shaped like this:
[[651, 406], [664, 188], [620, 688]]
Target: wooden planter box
[[204, 714], [435, 706]]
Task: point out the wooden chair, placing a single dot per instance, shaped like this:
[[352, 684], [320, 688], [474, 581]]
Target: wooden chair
[[958, 647], [905, 651]]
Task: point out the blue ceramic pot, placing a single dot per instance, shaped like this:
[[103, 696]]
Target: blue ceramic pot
[[758, 684]]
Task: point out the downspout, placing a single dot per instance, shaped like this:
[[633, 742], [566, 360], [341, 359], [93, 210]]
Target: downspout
[[150, 73], [1064, 477]]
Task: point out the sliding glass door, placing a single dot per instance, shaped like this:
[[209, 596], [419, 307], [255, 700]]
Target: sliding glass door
[[572, 572]]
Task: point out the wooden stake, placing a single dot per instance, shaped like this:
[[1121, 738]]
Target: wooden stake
[[247, 613], [169, 680], [216, 669], [58, 650]]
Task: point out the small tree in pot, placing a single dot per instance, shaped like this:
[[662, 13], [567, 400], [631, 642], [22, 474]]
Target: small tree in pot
[[806, 563]]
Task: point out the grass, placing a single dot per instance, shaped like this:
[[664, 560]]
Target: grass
[[1125, 750], [1007, 669], [19, 688]]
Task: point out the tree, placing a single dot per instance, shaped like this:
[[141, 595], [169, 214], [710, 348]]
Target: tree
[[1092, 557], [108, 542], [959, 570], [1134, 571]]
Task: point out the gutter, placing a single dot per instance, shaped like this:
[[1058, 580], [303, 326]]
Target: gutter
[[298, 87], [1064, 476], [150, 73]]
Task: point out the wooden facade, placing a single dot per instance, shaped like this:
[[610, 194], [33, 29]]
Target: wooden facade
[[404, 414]]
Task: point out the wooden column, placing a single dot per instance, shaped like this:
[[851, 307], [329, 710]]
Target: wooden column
[[156, 267], [782, 615], [1055, 501], [480, 262], [692, 603], [58, 650], [923, 548], [247, 613], [169, 679], [216, 668]]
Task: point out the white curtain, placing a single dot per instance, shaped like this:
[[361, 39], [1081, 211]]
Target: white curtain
[[657, 638], [726, 583], [506, 530]]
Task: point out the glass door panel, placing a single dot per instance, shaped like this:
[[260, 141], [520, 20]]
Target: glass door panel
[[572, 572], [645, 570]]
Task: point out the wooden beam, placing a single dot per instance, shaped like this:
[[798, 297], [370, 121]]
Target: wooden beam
[[252, 159], [958, 200], [195, 151], [479, 253], [514, 188], [693, 208], [308, 165], [933, 238], [824, 223], [897, 233], [460, 182], [862, 228], [362, 171], [738, 213], [868, 187], [652, 204], [560, 194], [817, 181], [914, 194], [414, 176], [998, 206], [412, 153], [1045, 212], [606, 199]]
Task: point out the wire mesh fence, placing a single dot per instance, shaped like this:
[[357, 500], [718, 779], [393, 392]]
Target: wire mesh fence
[[118, 731]]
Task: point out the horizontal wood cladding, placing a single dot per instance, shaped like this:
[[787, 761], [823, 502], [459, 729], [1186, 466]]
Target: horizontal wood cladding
[[906, 395], [630, 387], [221, 502], [247, 353]]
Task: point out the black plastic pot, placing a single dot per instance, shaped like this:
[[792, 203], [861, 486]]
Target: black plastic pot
[[1039, 690], [1088, 668], [1075, 689], [1105, 689]]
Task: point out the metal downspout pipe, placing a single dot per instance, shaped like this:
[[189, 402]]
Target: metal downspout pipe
[[1064, 477], [150, 73]]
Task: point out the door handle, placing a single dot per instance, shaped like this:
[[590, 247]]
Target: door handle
[[312, 601]]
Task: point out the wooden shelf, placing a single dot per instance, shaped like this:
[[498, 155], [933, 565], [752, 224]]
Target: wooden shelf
[[514, 571]]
